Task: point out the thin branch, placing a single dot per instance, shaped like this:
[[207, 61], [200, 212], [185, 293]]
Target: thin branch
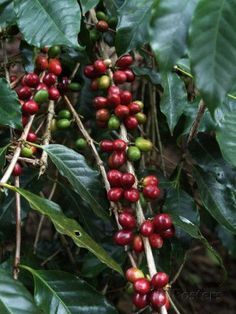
[[76, 68], [33, 162], [50, 257], [18, 231], [173, 304], [196, 122]]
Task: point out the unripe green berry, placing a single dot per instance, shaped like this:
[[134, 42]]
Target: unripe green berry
[[81, 143], [64, 114], [143, 144], [134, 153], [63, 124], [41, 96]]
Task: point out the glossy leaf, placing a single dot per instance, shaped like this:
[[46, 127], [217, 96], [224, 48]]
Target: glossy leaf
[[60, 292], [88, 5], [10, 111], [66, 226], [113, 6], [174, 99], [7, 13], [226, 131], [169, 29], [3, 151], [132, 28], [213, 49], [83, 179], [14, 297], [148, 73], [48, 23]]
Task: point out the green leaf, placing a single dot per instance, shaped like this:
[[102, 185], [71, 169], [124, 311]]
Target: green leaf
[[66, 226], [10, 111], [3, 151], [132, 28], [28, 55], [113, 6], [88, 5], [14, 297], [7, 13], [169, 29], [213, 49], [148, 73], [226, 131], [48, 23], [59, 292], [174, 99], [83, 179]]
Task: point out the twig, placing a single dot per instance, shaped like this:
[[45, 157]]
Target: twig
[[18, 231], [34, 162], [76, 68], [173, 304], [67, 247], [50, 257], [14, 84]]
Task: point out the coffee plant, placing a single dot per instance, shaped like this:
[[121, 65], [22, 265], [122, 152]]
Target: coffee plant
[[117, 151]]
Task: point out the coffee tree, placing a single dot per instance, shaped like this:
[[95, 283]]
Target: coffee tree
[[118, 145]]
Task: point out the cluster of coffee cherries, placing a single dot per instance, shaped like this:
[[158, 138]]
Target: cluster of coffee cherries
[[118, 105], [104, 23], [148, 292]]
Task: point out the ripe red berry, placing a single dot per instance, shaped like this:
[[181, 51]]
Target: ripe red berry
[[159, 280], [24, 93], [102, 26], [24, 120], [119, 145], [162, 222], [54, 67], [119, 77], [123, 237], [103, 115], [115, 194], [49, 79], [121, 111], [113, 100], [89, 71], [151, 192], [32, 137], [134, 108], [17, 170], [54, 93], [127, 180], [100, 66], [94, 85], [128, 210], [13, 78], [147, 228], [158, 299], [133, 273], [113, 90], [31, 79], [99, 102], [125, 97], [150, 180], [140, 300], [114, 178], [130, 75], [117, 159], [138, 244], [124, 61], [106, 146], [42, 86], [127, 221], [168, 233], [142, 285], [155, 240], [131, 195], [41, 63], [30, 107], [131, 123]]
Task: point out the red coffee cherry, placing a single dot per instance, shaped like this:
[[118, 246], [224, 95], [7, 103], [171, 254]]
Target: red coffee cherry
[[42, 86], [125, 97], [162, 222], [41, 63], [119, 77], [134, 108], [100, 67], [102, 26], [127, 180], [151, 192], [124, 61], [140, 300], [103, 115], [147, 228], [159, 280], [54, 67], [131, 123], [128, 210], [168, 233], [156, 241], [17, 170], [113, 90], [138, 244], [32, 137], [31, 79], [119, 145], [121, 111], [24, 120], [131, 195], [114, 178], [89, 71], [150, 180], [142, 285], [30, 107], [49, 79], [117, 159], [130, 76], [127, 221], [54, 93], [94, 85], [158, 299], [13, 78], [100, 102], [113, 100], [106, 146], [133, 273], [123, 237], [115, 194], [24, 93]]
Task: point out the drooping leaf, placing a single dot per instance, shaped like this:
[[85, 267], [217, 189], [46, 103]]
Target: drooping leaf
[[7, 13], [14, 297], [169, 29], [213, 49], [88, 5], [174, 99], [66, 226], [132, 28], [48, 23], [148, 73], [60, 292], [10, 111], [226, 130], [83, 179]]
